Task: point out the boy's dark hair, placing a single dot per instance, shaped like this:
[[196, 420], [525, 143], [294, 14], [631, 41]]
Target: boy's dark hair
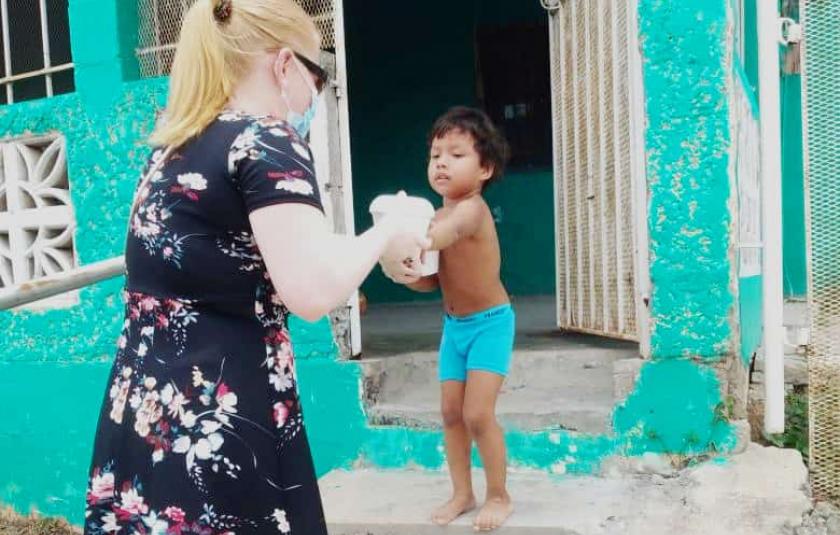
[[490, 144]]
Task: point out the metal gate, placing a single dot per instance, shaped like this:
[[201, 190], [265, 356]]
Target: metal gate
[[159, 25], [821, 122], [599, 189]]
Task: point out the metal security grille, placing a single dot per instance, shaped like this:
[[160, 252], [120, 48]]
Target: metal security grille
[[821, 114], [160, 25], [596, 277], [323, 11], [36, 49]]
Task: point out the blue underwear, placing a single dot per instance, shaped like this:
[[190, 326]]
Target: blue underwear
[[481, 341]]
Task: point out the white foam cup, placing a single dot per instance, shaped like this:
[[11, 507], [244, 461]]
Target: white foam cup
[[415, 213]]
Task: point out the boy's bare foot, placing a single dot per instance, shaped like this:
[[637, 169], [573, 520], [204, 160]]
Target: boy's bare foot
[[493, 514], [452, 509]]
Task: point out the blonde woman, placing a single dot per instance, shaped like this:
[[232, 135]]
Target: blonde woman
[[201, 429]]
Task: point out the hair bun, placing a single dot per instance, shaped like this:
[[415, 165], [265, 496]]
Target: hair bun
[[222, 10]]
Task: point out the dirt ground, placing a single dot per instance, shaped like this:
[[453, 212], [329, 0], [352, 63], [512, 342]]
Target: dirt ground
[[13, 524]]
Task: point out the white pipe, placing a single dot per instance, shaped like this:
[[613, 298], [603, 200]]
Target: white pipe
[[771, 217]]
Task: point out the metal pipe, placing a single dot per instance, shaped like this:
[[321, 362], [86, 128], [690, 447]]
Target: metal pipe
[[34, 74], [45, 44], [35, 290], [771, 216], [7, 49]]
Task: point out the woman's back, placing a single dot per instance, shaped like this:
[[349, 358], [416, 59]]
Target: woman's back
[[190, 237]]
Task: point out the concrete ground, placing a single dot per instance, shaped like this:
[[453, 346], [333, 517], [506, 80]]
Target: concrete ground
[[759, 492]]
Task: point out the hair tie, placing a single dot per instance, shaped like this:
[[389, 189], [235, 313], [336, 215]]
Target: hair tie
[[222, 10]]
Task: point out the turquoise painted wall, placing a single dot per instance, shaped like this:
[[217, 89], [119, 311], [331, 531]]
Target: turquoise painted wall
[[687, 54], [53, 365], [750, 59], [401, 78], [688, 140], [793, 189], [793, 183]]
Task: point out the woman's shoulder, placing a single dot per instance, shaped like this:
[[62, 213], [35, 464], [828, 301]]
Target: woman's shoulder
[[242, 122], [264, 138]]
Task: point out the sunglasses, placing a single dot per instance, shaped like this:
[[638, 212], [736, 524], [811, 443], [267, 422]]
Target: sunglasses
[[321, 75]]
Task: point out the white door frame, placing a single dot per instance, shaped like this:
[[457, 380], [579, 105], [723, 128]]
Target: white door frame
[[638, 117], [330, 142]]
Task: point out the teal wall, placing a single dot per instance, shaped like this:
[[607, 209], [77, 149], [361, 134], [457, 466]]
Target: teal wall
[[793, 189], [688, 140], [750, 59], [793, 180], [401, 77], [687, 54], [53, 365]]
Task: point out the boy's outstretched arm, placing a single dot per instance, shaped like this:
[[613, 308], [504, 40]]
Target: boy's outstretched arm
[[462, 222], [428, 283]]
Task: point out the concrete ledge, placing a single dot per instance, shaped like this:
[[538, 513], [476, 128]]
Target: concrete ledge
[[757, 493]]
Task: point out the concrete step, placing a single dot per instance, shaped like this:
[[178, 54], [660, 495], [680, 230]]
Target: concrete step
[[759, 492], [570, 387]]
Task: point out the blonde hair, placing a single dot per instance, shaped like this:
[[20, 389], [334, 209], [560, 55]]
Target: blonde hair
[[214, 53]]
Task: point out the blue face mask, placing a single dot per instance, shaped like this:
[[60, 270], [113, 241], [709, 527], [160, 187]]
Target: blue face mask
[[302, 122]]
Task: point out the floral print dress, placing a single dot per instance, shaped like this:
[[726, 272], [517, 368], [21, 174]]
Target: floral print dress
[[201, 430]]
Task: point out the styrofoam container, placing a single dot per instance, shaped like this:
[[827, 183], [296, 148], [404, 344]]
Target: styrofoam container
[[415, 213]]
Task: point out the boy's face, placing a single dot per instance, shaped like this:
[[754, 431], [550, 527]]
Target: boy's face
[[455, 169]]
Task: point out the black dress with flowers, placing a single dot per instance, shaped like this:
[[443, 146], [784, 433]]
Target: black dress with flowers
[[201, 429]]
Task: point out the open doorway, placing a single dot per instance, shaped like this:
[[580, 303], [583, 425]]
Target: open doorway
[[496, 55], [493, 55]]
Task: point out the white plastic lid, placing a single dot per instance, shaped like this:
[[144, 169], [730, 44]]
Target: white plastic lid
[[403, 204]]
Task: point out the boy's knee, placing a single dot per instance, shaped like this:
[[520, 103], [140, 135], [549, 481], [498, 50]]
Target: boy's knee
[[479, 422], [452, 415]]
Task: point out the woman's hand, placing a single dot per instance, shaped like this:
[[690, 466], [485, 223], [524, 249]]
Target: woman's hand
[[315, 270], [403, 256], [400, 272]]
